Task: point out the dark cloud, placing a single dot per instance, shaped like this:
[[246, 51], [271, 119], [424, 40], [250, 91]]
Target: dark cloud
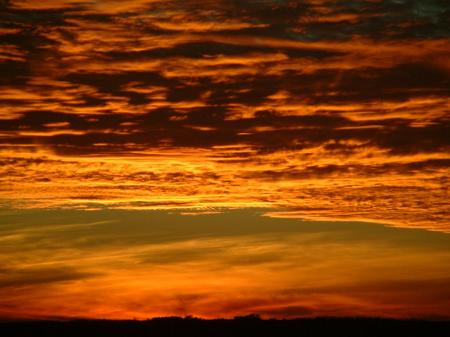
[[18, 278], [360, 170], [263, 90], [288, 311], [433, 290]]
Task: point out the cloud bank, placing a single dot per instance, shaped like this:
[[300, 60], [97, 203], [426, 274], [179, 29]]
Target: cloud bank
[[325, 109]]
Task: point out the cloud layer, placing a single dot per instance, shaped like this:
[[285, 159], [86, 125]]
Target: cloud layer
[[325, 109]]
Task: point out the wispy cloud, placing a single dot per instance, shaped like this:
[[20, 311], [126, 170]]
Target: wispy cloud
[[124, 264]]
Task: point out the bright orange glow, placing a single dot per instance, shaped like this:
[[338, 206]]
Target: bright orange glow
[[300, 110], [135, 264]]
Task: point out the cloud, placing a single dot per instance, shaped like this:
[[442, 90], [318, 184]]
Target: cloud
[[289, 312], [163, 104], [124, 264], [275, 123], [31, 277]]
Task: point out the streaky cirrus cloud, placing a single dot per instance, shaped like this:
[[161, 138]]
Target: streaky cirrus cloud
[[123, 264]]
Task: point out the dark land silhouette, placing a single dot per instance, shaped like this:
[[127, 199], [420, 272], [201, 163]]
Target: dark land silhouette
[[239, 326]]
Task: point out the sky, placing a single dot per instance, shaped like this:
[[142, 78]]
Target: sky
[[224, 157]]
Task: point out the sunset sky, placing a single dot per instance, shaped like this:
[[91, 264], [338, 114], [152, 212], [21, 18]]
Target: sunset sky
[[224, 157]]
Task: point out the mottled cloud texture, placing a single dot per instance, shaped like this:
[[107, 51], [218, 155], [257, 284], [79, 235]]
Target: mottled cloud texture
[[320, 109]]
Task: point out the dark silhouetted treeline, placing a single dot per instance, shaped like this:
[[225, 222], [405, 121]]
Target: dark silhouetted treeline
[[240, 326]]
